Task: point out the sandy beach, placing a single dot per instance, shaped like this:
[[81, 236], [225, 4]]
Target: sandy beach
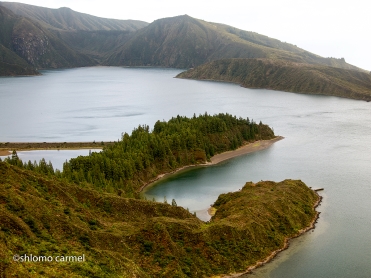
[[245, 149], [4, 152], [248, 148]]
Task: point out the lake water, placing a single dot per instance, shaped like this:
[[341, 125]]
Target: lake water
[[327, 144], [56, 157]]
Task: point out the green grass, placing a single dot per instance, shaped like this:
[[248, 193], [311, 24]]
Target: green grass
[[136, 238]]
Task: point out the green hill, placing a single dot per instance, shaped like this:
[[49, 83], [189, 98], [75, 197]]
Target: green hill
[[10, 62], [67, 19], [48, 218], [90, 35], [96, 44], [286, 76], [25, 42], [185, 42]]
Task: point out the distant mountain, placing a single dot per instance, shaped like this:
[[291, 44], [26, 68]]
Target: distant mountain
[[99, 45], [87, 34], [185, 42], [286, 76], [25, 43], [34, 38], [67, 19]]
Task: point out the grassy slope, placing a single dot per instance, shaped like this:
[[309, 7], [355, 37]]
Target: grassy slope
[[96, 44], [67, 19], [138, 238], [185, 42], [15, 70], [54, 38], [10, 62], [180, 42], [42, 49], [26, 44], [304, 56], [87, 34], [286, 76]]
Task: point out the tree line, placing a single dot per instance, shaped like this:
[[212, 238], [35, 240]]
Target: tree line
[[138, 158]]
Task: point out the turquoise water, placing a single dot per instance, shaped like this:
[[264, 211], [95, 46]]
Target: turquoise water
[[326, 145]]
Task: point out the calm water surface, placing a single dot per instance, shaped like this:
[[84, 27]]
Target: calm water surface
[[56, 157], [327, 144]]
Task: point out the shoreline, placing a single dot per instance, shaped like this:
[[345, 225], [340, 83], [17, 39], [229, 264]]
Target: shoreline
[[245, 149], [33, 146], [5, 153], [286, 244]]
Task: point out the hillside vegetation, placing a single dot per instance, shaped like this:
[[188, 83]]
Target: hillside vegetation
[[11, 64], [286, 76], [185, 42], [26, 44], [180, 42], [125, 166], [67, 19], [33, 38], [87, 34], [44, 216]]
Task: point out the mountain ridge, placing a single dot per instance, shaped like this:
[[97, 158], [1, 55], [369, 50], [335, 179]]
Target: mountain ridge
[[180, 41], [34, 38], [65, 18], [286, 76], [186, 42], [28, 45]]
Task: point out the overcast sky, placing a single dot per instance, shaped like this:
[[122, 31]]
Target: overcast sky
[[340, 29]]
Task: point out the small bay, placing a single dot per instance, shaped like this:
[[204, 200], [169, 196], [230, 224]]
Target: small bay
[[326, 145]]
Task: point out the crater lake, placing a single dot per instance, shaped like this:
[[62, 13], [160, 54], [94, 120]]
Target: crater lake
[[326, 145]]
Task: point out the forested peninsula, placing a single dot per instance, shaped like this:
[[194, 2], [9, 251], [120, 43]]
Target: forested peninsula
[[137, 159], [93, 209], [286, 76]]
